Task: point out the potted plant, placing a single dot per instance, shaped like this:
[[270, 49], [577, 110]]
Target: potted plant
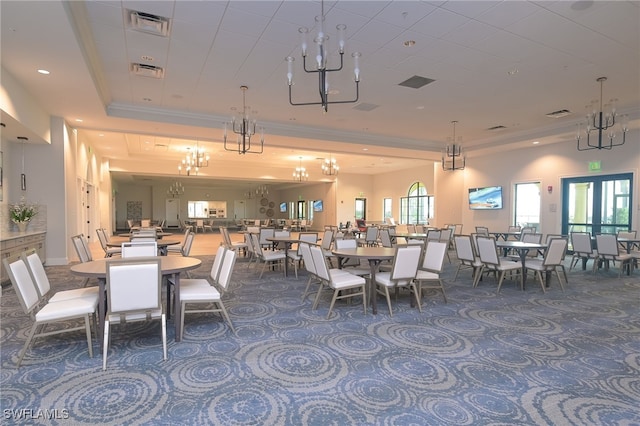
[[22, 213]]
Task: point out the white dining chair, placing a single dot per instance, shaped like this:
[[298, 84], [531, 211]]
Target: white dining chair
[[139, 249]]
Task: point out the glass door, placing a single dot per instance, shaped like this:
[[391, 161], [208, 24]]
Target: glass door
[[597, 204], [361, 208]]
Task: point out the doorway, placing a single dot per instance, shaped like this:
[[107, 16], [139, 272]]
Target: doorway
[[361, 208], [172, 212], [301, 209], [597, 204]]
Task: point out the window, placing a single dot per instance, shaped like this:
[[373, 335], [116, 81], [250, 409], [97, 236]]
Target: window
[[387, 210], [417, 207], [198, 209], [361, 208], [527, 206], [310, 210]]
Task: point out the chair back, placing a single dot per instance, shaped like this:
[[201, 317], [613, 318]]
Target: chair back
[[249, 242], [264, 234], [411, 228], [24, 286], [186, 248], [464, 248], [420, 229], [226, 270], [139, 249], [434, 235], [102, 237], [385, 238], [305, 251], [257, 248], [37, 272], [308, 237], [347, 243], [81, 248], [371, 236], [145, 223], [526, 230], [225, 236], [607, 245], [556, 250], [514, 228], [217, 263], [320, 263], [327, 238], [133, 286], [627, 234], [581, 242], [281, 233], [406, 262], [482, 230], [530, 237], [487, 250], [361, 224], [434, 254]]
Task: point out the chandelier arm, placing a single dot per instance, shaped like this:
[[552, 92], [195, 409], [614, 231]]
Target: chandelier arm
[[341, 64], [328, 102]]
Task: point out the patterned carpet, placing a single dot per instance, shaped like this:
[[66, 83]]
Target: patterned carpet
[[523, 358]]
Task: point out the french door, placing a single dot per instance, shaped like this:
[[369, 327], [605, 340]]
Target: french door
[[597, 204]]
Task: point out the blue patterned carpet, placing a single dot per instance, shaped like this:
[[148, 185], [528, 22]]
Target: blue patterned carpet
[[524, 358]]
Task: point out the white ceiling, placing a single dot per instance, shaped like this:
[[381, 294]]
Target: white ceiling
[[495, 63]]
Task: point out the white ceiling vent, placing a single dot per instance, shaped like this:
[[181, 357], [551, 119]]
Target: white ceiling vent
[[559, 114], [144, 70], [148, 23]]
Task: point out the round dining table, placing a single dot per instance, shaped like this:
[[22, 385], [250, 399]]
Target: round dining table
[[375, 255], [159, 235], [171, 267]]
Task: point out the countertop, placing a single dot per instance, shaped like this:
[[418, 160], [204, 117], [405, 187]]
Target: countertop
[[12, 235]]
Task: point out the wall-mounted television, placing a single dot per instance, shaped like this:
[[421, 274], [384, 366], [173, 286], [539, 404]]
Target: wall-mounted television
[[317, 206], [283, 207], [485, 198]]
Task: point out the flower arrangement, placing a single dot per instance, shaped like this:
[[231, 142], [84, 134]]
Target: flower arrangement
[[23, 212]]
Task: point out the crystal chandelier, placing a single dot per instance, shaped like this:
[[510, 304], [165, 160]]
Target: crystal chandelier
[[245, 128], [321, 63], [194, 161], [330, 166], [300, 173], [175, 189], [453, 158], [601, 121], [261, 191]]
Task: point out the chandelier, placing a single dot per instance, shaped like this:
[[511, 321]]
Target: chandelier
[[330, 166], [601, 121], [245, 129], [452, 157], [321, 63], [261, 191], [300, 173], [175, 189], [194, 161]]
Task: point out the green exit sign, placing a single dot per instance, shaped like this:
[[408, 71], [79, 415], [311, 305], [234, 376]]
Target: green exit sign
[[595, 166]]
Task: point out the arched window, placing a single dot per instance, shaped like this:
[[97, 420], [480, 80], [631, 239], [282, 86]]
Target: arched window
[[417, 206]]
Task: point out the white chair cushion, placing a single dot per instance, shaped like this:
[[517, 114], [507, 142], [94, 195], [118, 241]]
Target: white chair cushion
[[193, 282], [426, 275], [90, 293], [63, 309], [384, 278], [346, 281], [199, 293], [115, 318]]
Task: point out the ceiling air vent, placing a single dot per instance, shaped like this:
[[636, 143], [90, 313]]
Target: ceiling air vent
[[148, 23], [144, 70], [559, 114], [365, 106], [416, 82], [496, 128]]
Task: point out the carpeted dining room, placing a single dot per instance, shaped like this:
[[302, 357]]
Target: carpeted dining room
[[517, 357]]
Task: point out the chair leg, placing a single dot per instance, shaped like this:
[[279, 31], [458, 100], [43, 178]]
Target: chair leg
[[417, 292], [183, 310], [164, 336], [444, 294], [32, 332], [317, 299], [539, 274], [500, 279], [87, 326], [226, 316], [105, 345], [333, 301]]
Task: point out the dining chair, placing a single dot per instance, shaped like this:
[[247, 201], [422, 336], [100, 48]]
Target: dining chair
[[343, 284], [265, 233], [482, 230], [267, 257], [430, 269], [133, 294], [202, 292], [43, 285], [295, 256], [43, 313], [177, 248], [551, 262], [83, 252], [446, 236], [139, 249], [609, 253], [403, 272], [385, 238], [307, 260], [207, 225], [104, 240], [492, 262], [238, 246], [466, 256], [327, 241], [188, 243], [351, 264], [582, 249]]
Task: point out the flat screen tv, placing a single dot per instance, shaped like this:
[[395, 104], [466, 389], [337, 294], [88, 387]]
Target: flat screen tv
[[283, 207], [485, 198], [317, 206]]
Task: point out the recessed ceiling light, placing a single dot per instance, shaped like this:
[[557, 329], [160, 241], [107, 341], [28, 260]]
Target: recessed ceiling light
[[536, 142], [420, 107], [409, 43], [101, 134], [78, 120], [45, 72], [365, 149], [513, 71], [146, 99]]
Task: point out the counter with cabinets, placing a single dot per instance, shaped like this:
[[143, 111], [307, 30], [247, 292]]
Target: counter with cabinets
[[14, 243]]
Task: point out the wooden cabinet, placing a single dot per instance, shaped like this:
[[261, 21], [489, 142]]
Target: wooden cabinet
[[12, 247]]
